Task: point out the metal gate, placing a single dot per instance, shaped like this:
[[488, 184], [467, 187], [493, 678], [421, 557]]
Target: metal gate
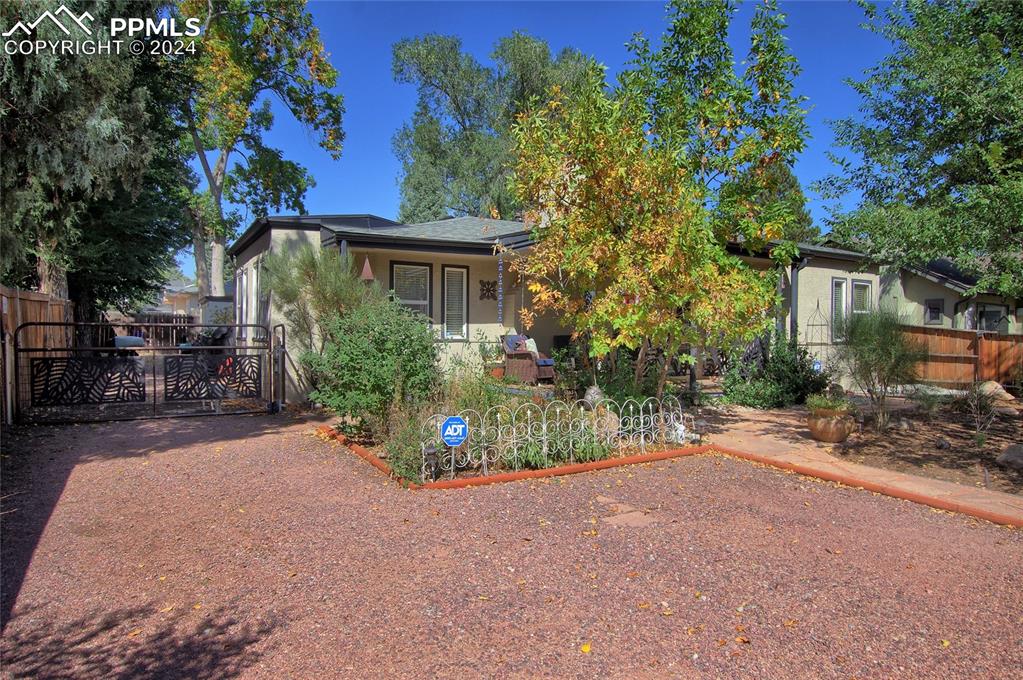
[[81, 372]]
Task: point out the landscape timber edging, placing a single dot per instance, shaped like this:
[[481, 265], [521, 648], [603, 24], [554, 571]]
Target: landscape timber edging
[[638, 459]]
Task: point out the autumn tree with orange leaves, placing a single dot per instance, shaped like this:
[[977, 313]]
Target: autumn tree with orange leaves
[[642, 196]]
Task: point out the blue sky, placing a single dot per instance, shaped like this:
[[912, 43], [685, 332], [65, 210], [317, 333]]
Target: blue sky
[[824, 36]]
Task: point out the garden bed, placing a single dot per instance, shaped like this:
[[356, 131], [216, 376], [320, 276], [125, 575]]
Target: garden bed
[[914, 448]]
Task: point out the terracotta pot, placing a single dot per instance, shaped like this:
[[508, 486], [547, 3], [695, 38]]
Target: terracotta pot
[[496, 370], [830, 426]]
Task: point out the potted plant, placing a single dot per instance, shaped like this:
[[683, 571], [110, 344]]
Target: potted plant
[[830, 418]]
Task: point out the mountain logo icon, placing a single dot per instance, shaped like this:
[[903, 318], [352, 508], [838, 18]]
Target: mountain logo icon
[[68, 16]]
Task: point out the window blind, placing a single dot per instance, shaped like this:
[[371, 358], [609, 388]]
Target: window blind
[[837, 308], [455, 303], [412, 286], [860, 298]]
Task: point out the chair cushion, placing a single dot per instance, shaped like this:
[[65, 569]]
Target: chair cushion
[[545, 362], [515, 343]]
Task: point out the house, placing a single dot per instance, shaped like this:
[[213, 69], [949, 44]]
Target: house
[[178, 297], [938, 295], [450, 270]]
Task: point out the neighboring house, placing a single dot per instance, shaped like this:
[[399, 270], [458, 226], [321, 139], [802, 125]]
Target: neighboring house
[[938, 295], [178, 297], [449, 270]]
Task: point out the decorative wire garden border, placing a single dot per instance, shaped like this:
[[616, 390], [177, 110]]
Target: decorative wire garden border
[[555, 433]]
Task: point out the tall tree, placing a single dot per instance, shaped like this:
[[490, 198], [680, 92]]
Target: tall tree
[[778, 188], [456, 151], [633, 191], [75, 129], [940, 138], [249, 53]]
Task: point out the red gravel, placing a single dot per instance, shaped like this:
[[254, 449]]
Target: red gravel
[[238, 545]]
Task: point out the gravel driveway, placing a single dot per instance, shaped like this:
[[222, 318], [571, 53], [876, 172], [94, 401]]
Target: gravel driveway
[[220, 546]]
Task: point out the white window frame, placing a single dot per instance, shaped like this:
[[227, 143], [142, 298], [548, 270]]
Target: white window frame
[[241, 294], [464, 333], [844, 297], [852, 296], [428, 302]]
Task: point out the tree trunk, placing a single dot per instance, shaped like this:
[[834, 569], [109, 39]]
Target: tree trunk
[[662, 377], [217, 255], [637, 375], [202, 265], [52, 276]]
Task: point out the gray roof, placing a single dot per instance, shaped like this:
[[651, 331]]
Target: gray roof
[[475, 234]]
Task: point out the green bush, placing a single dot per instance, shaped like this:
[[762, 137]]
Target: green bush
[[404, 455], [878, 356], [376, 357], [824, 402], [787, 377]]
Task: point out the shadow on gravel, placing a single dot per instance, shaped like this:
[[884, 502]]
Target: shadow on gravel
[[37, 461], [133, 643]]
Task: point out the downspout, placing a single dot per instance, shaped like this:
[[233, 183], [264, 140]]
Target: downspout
[[794, 297]]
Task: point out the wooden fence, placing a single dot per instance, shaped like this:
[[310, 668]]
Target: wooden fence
[[958, 357], [18, 307]]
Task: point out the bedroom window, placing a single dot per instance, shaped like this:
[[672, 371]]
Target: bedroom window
[[934, 312], [456, 302], [411, 285]]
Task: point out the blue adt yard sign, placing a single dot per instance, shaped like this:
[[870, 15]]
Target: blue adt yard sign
[[454, 431]]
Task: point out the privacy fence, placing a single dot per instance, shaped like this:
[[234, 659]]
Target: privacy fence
[[22, 306], [503, 439], [959, 357]]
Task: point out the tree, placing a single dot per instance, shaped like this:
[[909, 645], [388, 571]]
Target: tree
[[75, 131], [456, 151], [634, 192], [940, 138], [251, 52], [878, 356], [779, 186]]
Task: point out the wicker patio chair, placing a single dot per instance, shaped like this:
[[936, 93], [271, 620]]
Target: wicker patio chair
[[520, 364]]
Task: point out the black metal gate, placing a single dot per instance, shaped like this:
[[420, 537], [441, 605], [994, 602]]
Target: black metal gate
[[80, 372]]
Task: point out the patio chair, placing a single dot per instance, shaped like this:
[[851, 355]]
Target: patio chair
[[523, 364]]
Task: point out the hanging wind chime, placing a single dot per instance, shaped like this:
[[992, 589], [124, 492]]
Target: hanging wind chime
[[500, 283]]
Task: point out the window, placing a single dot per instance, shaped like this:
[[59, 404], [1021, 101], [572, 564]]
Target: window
[[993, 317], [455, 297], [838, 287], [934, 312], [411, 284], [861, 302], [241, 294]]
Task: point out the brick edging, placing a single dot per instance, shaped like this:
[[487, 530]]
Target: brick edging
[[808, 471]]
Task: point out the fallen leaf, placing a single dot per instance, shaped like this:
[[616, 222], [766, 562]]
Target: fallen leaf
[[644, 605], [721, 642], [134, 632], [166, 609], [585, 649], [591, 532], [666, 612], [945, 643], [483, 597], [632, 574], [740, 629], [742, 640], [197, 605], [693, 630], [791, 623]]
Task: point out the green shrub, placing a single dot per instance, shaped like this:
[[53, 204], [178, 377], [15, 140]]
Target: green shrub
[[825, 402], [376, 356], [787, 377], [404, 455], [878, 356]]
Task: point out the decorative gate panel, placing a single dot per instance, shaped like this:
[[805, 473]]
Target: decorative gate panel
[[67, 381], [193, 377]]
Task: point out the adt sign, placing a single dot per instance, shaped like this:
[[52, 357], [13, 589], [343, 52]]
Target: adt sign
[[454, 431]]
